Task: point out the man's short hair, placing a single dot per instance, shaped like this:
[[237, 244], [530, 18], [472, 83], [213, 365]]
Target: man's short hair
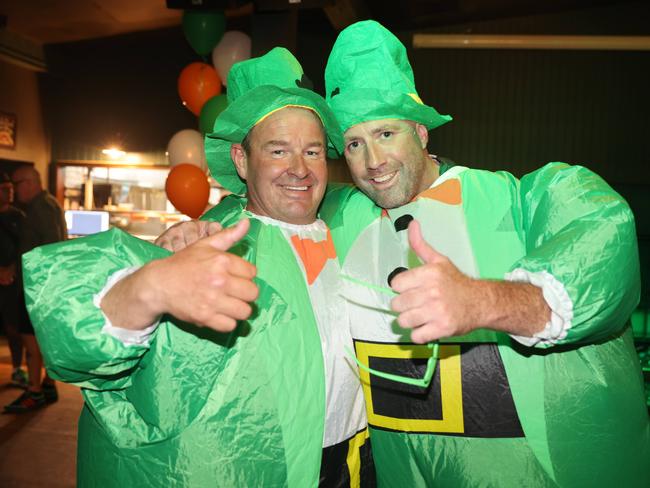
[[246, 142]]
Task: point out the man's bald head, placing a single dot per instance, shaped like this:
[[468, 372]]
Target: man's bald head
[[27, 184]]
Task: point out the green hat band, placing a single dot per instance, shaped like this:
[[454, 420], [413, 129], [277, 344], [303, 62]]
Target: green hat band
[[257, 88], [368, 77]]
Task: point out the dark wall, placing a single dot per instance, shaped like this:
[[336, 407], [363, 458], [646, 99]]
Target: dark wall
[[117, 90], [518, 109]]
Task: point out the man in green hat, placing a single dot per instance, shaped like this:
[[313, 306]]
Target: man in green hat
[[260, 395], [526, 285]]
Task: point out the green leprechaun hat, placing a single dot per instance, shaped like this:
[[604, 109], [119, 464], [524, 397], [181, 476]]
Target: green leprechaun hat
[[257, 88], [368, 77]]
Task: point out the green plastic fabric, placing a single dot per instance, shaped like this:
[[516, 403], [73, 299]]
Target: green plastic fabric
[[258, 87], [195, 407], [580, 402], [386, 89]]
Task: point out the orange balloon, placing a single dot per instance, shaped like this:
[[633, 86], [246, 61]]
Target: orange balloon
[[188, 189], [197, 83]]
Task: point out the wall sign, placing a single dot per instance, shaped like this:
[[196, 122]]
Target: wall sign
[[7, 130]]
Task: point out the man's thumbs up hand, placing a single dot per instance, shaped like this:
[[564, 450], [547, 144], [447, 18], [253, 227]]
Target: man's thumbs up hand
[[435, 299], [207, 285], [423, 250]]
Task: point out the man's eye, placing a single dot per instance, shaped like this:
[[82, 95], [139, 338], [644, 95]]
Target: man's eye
[[386, 134], [278, 152], [353, 145], [313, 153]]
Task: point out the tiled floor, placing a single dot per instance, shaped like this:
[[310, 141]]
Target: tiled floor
[[37, 449]]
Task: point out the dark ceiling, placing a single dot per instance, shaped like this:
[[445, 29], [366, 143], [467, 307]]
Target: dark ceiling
[[422, 14], [57, 21]]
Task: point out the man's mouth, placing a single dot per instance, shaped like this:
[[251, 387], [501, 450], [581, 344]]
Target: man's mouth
[[296, 188], [378, 180]]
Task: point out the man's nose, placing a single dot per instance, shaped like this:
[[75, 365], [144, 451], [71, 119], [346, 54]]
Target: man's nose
[[374, 156], [298, 166]]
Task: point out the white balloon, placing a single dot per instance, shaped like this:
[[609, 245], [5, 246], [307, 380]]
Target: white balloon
[[186, 146], [233, 47]]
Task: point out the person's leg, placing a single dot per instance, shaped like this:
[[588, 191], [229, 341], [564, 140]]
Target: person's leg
[[34, 397], [15, 345], [10, 319], [34, 362], [49, 389], [18, 375]]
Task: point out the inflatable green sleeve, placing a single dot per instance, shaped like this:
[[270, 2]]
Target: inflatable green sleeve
[[578, 229], [60, 280]]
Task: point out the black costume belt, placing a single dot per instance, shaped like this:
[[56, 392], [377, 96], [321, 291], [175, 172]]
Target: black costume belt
[[469, 394]]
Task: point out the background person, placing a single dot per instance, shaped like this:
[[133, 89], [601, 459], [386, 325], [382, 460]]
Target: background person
[[11, 220], [44, 224]]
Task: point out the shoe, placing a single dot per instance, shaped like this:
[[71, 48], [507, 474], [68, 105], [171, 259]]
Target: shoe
[[50, 392], [19, 379], [26, 402]]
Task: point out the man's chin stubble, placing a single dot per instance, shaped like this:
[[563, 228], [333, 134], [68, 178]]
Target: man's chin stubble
[[383, 200]]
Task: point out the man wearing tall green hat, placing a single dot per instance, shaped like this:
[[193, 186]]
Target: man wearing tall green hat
[[526, 286], [260, 395]]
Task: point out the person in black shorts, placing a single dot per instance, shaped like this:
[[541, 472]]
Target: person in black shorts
[[11, 220], [44, 223]]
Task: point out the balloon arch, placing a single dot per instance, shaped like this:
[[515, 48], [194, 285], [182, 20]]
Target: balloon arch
[[200, 91]]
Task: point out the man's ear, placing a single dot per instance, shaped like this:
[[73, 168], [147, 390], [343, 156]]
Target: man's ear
[[238, 156], [423, 134]]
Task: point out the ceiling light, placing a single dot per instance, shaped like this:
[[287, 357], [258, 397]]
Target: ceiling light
[[113, 153]]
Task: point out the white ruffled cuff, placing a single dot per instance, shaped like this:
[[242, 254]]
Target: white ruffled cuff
[[127, 337], [558, 301]]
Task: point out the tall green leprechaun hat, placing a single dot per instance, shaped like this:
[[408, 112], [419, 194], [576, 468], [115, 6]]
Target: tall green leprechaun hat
[[258, 87], [368, 77]]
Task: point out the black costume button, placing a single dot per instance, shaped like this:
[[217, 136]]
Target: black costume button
[[394, 273], [335, 92], [402, 223]]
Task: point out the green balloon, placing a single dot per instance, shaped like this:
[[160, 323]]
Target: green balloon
[[210, 111], [203, 29]]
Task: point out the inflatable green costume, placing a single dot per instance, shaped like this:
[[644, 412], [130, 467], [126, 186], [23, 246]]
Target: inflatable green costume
[[564, 408], [183, 406]]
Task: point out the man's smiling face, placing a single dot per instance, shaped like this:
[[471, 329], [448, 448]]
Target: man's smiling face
[[388, 160], [285, 166]]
